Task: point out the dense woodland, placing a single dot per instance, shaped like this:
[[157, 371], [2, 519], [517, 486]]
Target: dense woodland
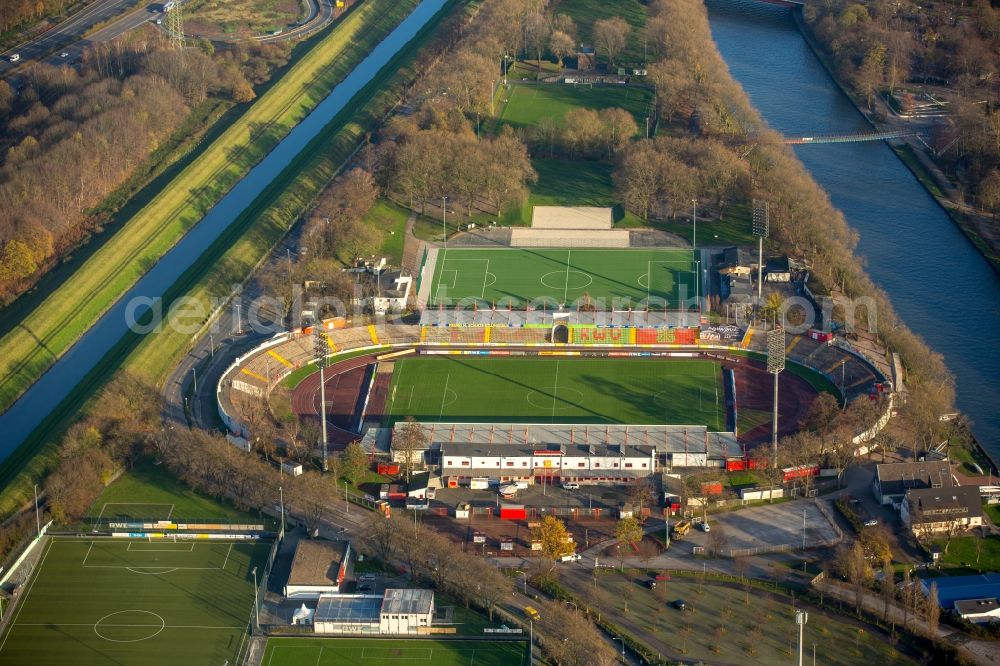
[[16, 13], [950, 48], [73, 136]]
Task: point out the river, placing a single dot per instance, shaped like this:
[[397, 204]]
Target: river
[[18, 422], [934, 276]]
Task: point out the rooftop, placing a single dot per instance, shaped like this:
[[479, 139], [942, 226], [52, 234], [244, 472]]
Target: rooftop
[[897, 478], [976, 606], [316, 562], [408, 601], [574, 439], [932, 505], [963, 588], [348, 608]]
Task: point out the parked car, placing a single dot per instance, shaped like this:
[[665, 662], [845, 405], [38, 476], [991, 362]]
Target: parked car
[[15, 57], [705, 527], [572, 557], [64, 54], [651, 584], [679, 604], [571, 486]]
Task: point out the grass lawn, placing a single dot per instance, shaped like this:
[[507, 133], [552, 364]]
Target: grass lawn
[[150, 491], [45, 333], [391, 219], [124, 601], [732, 229], [659, 277], [586, 12], [961, 554], [393, 651], [242, 17], [526, 104], [993, 511], [724, 624], [548, 390]]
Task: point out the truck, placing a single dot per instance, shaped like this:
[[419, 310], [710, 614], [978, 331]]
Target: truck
[[479, 483], [532, 613], [680, 529]]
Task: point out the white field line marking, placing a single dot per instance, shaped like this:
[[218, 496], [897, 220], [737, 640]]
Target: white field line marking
[[171, 512], [443, 395], [409, 399], [104, 624], [320, 656], [486, 273], [133, 567], [84, 563], [472, 658], [226, 561], [27, 593]]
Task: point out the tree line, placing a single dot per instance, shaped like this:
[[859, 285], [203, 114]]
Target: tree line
[[898, 46], [693, 81], [70, 139]]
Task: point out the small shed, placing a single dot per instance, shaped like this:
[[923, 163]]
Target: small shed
[[462, 510]]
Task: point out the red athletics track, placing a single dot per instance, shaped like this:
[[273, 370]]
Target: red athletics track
[[755, 390], [344, 384]]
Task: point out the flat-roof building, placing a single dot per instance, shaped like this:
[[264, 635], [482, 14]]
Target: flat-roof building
[[318, 567], [397, 612]]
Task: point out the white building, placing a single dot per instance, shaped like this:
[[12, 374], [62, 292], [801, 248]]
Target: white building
[[978, 610], [929, 510], [399, 612]]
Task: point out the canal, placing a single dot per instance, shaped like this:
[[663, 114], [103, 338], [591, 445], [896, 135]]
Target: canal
[[942, 287], [32, 408]]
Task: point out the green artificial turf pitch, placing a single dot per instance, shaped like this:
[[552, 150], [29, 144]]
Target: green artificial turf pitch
[[663, 278], [125, 601], [558, 390], [395, 651], [528, 104]]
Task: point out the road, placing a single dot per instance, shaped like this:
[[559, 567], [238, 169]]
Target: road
[[68, 36]]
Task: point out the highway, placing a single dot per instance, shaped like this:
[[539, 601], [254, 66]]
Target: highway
[[64, 43], [68, 36]]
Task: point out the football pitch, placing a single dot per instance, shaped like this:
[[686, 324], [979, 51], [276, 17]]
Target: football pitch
[[604, 278], [383, 652], [558, 390], [527, 104], [130, 601]]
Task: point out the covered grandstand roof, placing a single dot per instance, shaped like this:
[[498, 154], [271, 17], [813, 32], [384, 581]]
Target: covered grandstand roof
[[663, 438]]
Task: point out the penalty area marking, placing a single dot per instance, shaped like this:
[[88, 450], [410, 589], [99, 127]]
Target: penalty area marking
[[107, 504]]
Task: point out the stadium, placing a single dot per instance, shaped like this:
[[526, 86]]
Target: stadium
[[565, 334]]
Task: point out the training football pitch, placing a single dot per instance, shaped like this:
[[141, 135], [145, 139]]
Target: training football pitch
[[383, 652], [558, 390], [665, 279], [527, 104], [130, 601]]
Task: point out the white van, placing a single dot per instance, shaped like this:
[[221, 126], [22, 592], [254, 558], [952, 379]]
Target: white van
[[15, 57]]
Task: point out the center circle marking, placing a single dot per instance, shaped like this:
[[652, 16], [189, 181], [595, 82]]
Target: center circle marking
[[543, 398], [112, 621], [566, 280]]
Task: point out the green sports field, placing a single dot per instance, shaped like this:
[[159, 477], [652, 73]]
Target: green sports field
[[558, 390], [527, 104], [392, 651], [519, 276], [123, 601]]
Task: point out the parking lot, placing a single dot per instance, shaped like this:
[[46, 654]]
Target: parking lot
[[788, 525]]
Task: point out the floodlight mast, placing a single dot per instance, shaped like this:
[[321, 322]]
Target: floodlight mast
[[761, 229], [775, 364], [319, 349]]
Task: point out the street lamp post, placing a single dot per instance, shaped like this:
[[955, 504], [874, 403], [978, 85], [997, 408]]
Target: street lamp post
[[444, 216], [801, 617], [525, 579], [38, 520], [347, 504], [694, 219], [256, 599], [616, 638]]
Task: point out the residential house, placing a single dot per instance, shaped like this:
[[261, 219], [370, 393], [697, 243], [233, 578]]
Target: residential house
[[892, 480], [930, 510]]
